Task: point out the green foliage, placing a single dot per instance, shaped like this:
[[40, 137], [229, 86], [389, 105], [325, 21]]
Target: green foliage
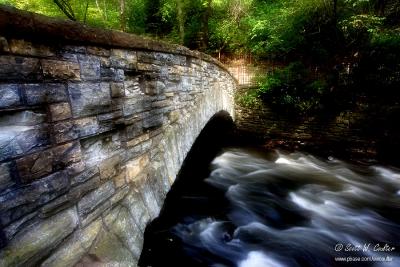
[[137, 16], [292, 88], [386, 39], [359, 29], [45, 7], [248, 98], [280, 27], [100, 13]]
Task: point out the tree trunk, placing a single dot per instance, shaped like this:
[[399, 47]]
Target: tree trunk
[[102, 11], [66, 8], [335, 11], [105, 9], [380, 6], [122, 15], [86, 10], [181, 21], [205, 18]]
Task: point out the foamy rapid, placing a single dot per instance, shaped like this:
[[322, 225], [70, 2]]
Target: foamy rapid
[[298, 210]]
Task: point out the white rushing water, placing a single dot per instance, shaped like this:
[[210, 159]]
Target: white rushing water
[[298, 210]]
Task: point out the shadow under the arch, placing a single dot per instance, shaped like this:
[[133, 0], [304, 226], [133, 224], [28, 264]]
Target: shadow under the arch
[[186, 197]]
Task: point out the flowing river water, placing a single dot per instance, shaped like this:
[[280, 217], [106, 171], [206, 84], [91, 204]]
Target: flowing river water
[[260, 210]]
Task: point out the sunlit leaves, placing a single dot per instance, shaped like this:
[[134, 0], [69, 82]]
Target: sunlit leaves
[[278, 27]]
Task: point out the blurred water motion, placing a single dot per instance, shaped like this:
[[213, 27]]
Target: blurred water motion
[[296, 210]]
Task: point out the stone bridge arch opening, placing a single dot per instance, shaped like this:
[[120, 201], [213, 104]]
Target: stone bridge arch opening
[[218, 133], [94, 128]]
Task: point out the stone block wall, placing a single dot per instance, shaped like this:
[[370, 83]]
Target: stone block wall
[[94, 126], [362, 132]]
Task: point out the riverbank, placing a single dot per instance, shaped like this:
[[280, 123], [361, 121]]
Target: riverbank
[[365, 133]]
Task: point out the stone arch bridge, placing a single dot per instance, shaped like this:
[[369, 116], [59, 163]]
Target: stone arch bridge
[[94, 126]]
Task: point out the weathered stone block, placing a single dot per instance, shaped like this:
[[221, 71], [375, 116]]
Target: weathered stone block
[[138, 140], [23, 118], [13, 228], [60, 70], [20, 68], [146, 145], [19, 140], [36, 94], [66, 155], [172, 86], [42, 163], [87, 174], [110, 251], [117, 89], [4, 45], [135, 105], [113, 116], [137, 208], [120, 222], [152, 121], [26, 48], [9, 95], [69, 57], [132, 88], [30, 245], [76, 192], [5, 175], [35, 166], [97, 149], [75, 168], [109, 125], [132, 153], [174, 116], [119, 179], [101, 209], [64, 131], [133, 130], [17, 203], [153, 87], [162, 103], [159, 178], [61, 111], [71, 130], [105, 62], [55, 206], [149, 198], [119, 195], [86, 126], [159, 58], [111, 74], [90, 67], [91, 200], [109, 167], [148, 67], [98, 51], [135, 167], [74, 49], [70, 252], [89, 98], [123, 59]]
